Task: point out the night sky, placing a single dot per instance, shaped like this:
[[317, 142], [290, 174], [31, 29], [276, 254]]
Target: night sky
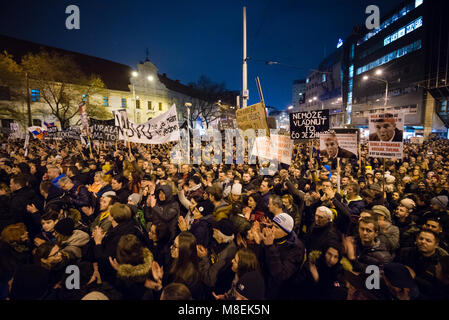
[[188, 38]]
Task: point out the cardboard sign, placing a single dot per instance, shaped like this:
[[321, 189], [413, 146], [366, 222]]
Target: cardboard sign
[[252, 117], [277, 147]]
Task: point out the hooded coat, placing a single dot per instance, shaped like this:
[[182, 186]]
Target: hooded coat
[[73, 245], [166, 211], [131, 278]]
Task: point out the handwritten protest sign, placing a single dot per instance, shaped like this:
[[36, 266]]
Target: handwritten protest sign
[[308, 125], [252, 117], [277, 147], [161, 129], [104, 130]]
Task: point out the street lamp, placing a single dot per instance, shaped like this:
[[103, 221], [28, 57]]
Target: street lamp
[[379, 72], [290, 107]]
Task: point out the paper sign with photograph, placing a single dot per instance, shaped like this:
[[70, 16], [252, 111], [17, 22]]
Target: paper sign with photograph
[[339, 143], [386, 135]]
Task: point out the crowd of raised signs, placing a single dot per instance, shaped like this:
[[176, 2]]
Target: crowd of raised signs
[[123, 223]]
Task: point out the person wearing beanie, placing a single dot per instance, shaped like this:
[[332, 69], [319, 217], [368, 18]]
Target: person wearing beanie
[[215, 266], [69, 240], [388, 233], [284, 254], [236, 193], [438, 210], [251, 286]]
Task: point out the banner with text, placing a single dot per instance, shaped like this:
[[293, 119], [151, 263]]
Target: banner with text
[[104, 130], [308, 125], [277, 147], [339, 143], [161, 129], [386, 135]]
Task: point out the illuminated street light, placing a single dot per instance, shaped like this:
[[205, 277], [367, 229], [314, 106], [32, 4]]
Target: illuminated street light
[[150, 78], [378, 72], [365, 78], [290, 107], [135, 74]]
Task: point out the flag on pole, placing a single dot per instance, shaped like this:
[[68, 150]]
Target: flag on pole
[[38, 132]]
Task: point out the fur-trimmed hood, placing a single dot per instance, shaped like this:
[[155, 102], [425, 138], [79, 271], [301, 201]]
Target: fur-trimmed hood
[[137, 273]]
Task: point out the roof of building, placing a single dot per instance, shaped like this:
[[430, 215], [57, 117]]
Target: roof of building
[[115, 75]]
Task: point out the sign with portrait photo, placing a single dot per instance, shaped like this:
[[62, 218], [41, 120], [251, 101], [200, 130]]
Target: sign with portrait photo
[[339, 143], [386, 135]]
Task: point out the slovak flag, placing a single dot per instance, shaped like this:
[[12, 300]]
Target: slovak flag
[[38, 132]]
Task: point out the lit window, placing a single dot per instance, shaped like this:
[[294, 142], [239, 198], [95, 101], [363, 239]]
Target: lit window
[[150, 107], [401, 33], [160, 106], [323, 78], [123, 102], [444, 106], [418, 23], [387, 41], [307, 80], [35, 95], [418, 3], [351, 71], [105, 101]]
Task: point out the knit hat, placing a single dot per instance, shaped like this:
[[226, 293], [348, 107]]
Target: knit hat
[[382, 210], [236, 189], [252, 286], [326, 211], [390, 179], [135, 198], [399, 275], [408, 203], [225, 226], [109, 193], [285, 222], [375, 186], [440, 201], [65, 227], [30, 283]]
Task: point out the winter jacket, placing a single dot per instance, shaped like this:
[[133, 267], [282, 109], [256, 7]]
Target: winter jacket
[[318, 237], [18, 209], [390, 236], [356, 206], [408, 231], [131, 278], [6, 216], [212, 265], [123, 195], [377, 254], [222, 210], [241, 224], [166, 211], [424, 267], [282, 261], [79, 196], [73, 245]]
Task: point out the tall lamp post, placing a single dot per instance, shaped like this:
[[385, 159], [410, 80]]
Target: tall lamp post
[[378, 73]]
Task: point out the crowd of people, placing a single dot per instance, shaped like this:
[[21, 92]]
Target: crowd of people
[[140, 227]]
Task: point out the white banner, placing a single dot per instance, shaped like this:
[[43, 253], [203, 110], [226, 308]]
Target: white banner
[[277, 147], [162, 129], [386, 135]]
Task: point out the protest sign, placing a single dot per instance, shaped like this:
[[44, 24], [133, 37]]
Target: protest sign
[[71, 133], [38, 132], [252, 117], [308, 125], [161, 129], [275, 147], [386, 135], [339, 143], [104, 130]]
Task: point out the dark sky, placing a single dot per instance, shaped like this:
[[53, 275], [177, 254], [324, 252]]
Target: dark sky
[[188, 38]]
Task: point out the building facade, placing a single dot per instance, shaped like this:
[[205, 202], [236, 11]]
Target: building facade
[[298, 94]]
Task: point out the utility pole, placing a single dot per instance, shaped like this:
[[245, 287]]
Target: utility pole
[[245, 93], [30, 123]]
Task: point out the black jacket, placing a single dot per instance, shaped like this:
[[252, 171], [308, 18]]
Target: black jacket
[[123, 195], [166, 211], [80, 196], [282, 261], [18, 209], [319, 237], [376, 255]]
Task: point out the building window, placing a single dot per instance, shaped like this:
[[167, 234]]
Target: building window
[[137, 104], [351, 71], [391, 56], [150, 107], [323, 78], [403, 31], [84, 98], [444, 106], [160, 106], [37, 122], [5, 93], [352, 51], [123, 102], [105, 101], [35, 95], [307, 80]]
